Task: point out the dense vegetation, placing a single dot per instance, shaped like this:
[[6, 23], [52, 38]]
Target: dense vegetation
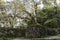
[[47, 25], [45, 22]]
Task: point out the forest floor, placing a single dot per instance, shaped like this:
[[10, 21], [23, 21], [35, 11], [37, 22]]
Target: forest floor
[[57, 37]]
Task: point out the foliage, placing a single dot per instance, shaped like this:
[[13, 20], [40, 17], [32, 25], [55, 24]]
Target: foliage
[[39, 23]]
